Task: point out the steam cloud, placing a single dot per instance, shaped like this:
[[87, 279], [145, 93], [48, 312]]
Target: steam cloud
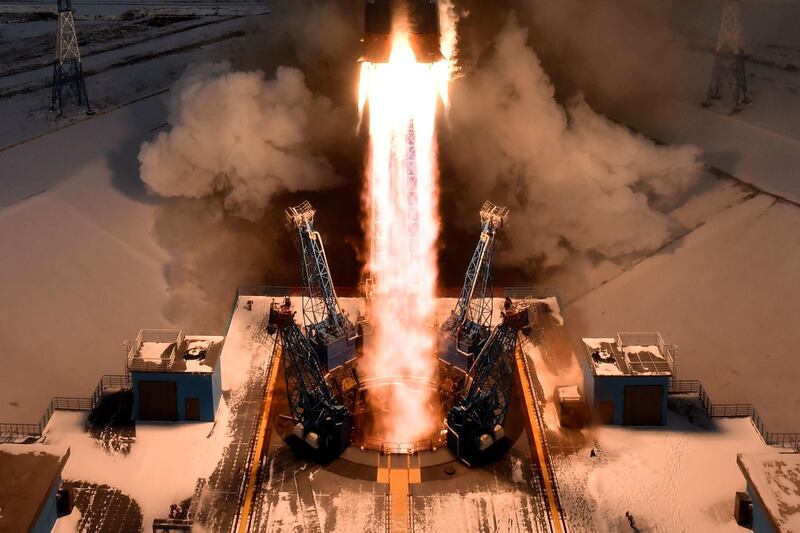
[[574, 180], [244, 137]]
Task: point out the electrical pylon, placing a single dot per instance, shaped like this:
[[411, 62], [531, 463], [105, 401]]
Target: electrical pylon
[[67, 71], [729, 57]]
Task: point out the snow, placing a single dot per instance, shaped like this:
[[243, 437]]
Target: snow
[[775, 478], [87, 268], [35, 449], [607, 366], [636, 349], [596, 344], [166, 459], [154, 350], [555, 310], [242, 345], [607, 369], [86, 273], [725, 295], [69, 523], [676, 478], [764, 158], [465, 511], [162, 467]]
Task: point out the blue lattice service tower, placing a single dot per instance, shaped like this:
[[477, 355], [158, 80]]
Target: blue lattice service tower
[[322, 423], [67, 69], [475, 423], [464, 333], [327, 327]]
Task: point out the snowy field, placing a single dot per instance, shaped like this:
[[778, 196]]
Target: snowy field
[[166, 460], [725, 294], [84, 268], [677, 478]]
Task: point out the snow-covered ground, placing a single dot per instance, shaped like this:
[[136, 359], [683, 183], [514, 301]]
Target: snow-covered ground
[[162, 467], [725, 294], [83, 267], [680, 477], [166, 459]]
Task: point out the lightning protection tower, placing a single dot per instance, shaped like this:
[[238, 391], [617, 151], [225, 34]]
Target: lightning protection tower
[[466, 330], [67, 71], [729, 58], [327, 327]]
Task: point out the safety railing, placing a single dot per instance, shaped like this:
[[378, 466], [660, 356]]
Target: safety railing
[[8, 430], [15, 431], [735, 410], [378, 445]]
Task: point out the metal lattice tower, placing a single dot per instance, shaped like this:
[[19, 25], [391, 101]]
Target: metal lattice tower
[[476, 420], [324, 320], [471, 319], [729, 57], [67, 70], [321, 420]]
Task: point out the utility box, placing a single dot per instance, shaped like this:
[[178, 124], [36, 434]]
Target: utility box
[[626, 378], [175, 377], [572, 411]]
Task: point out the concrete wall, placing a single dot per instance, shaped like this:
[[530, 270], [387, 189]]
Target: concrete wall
[[612, 389], [761, 522], [206, 387], [47, 518]]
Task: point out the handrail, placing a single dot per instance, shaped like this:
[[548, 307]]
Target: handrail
[[735, 410], [12, 431]]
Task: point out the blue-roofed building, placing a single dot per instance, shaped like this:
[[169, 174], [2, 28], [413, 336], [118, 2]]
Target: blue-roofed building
[[773, 486], [626, 378], [30, 479], [175, 377]]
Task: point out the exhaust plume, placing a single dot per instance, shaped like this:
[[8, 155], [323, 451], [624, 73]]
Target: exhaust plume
[[574, 180], [243, 137]]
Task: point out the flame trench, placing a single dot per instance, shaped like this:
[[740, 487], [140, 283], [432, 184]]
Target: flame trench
[[401, 201]]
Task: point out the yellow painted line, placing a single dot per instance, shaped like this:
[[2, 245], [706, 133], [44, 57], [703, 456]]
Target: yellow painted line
[[383, 471], [261, 436], [537, 448], [414, 471], [398, 492]]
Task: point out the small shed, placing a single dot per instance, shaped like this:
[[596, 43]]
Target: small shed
[[773, 484], [29, 486], [175, 376], [626, 378]]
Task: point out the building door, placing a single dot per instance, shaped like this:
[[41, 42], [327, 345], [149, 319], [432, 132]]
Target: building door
[[643, 405], [605, 412], [192, 408], [158, 400]]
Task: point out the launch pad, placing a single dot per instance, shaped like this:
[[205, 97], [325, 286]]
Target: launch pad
[[400, 486]]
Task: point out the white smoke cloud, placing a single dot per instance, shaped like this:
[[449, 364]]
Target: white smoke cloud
[[244, 137], [574, 180]]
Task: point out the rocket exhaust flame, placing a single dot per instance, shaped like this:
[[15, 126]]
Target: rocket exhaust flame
[[401, 203]]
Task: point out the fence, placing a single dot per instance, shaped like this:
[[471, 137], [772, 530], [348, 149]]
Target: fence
[[137, 360], [735, 410], [13, 431]]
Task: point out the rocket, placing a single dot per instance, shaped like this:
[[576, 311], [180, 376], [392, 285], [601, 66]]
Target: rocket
[[419, 17]]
